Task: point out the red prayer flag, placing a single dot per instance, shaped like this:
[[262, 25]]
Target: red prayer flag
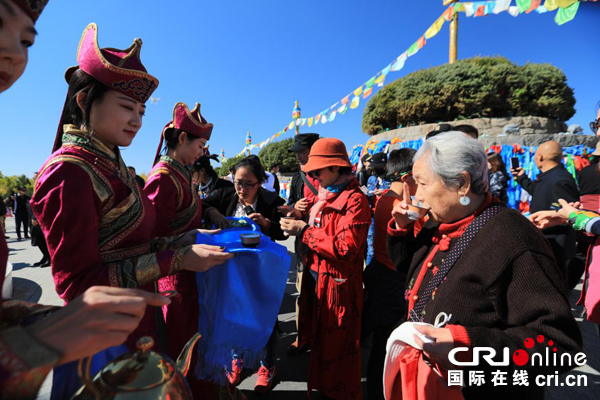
[[345, 100], [421, 42], [449, 13], [534, 4], [480, 11]]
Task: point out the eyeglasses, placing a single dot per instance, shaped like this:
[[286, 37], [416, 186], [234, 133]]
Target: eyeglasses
[[244, 185], [594, 125], [396, 176], [314, 174]]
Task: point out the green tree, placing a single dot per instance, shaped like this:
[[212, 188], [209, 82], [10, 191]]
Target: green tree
[[9, 184], [481, 87], [224, 169], [278, 153]]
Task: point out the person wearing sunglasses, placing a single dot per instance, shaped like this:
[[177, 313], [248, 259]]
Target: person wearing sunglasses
[[384, 286], [249, 199], [594, 125], [331, 299]]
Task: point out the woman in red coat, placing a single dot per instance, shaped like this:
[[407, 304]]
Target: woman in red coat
[[178, 209], [331, 300]]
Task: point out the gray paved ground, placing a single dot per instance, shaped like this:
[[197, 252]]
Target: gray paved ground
[[35, 284]]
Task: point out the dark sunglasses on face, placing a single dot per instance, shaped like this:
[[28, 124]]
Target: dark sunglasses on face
[[244, 185], [396, 176], [594, 125], [314, 174]]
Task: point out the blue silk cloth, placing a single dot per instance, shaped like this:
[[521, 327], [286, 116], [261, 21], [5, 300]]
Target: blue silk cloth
[[239, 300], [65, 379]]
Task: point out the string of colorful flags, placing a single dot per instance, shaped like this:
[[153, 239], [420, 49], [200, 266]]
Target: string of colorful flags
[[566, 11]]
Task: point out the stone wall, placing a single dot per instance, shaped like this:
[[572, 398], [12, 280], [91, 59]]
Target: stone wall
[[533, 131]]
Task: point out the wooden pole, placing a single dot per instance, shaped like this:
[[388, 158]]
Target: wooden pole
[[296, 116], [453, 39]]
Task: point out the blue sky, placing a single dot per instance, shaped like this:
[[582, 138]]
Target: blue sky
[[247, 62]]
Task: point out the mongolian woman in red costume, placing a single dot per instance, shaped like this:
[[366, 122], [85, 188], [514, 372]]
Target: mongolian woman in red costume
[[33, 337], [98, 224], [178, 209]]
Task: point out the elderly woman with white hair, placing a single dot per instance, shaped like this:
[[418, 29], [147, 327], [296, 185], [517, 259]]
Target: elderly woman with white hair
[[482, 270]]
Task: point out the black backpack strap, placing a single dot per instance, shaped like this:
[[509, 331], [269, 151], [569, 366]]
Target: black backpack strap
[[307, 183], [455, 252]]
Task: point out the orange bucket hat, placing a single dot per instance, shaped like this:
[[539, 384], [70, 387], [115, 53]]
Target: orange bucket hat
[[327, 152]]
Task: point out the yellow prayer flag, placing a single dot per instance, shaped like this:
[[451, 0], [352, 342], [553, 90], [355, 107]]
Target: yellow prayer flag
[[435, 28], [552, 5], [566, 3], [355, 101], [278, 134], [380, 80], [310, 121], [291, 125], [358, 91], [459, 7]]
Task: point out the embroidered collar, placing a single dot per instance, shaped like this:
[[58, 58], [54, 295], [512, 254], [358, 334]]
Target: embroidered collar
[[83, 138], [178, 166], [91, 143]]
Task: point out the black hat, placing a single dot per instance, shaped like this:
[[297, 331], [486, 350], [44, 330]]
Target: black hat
[[365, 158], [439, 129], [204, 162], [378, 160], [303, 141]]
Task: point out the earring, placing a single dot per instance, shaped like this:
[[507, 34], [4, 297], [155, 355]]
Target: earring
[[465, 201]]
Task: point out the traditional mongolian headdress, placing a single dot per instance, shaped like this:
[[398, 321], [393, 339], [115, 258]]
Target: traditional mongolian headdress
[[33, 8], [120, 70], [188, 121]]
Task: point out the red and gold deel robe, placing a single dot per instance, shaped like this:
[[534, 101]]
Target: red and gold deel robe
[[24, 361], [178, 209], [98, 224], [330, 316]]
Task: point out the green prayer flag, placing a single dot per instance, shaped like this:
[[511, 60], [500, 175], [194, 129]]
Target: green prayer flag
[[566, 14], [370, 82], [413, 49], [523, 5]]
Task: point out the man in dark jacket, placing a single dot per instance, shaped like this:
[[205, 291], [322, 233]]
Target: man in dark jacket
[[299, 196], [19, 204], [301, 148], [275, 171], [553, 183]]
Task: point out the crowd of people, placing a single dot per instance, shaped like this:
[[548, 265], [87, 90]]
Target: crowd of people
[[411, 236]]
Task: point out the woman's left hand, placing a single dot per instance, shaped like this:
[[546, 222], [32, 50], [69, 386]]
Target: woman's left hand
[[442, 344], [292, 227], [190, 237], [260, 220]]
